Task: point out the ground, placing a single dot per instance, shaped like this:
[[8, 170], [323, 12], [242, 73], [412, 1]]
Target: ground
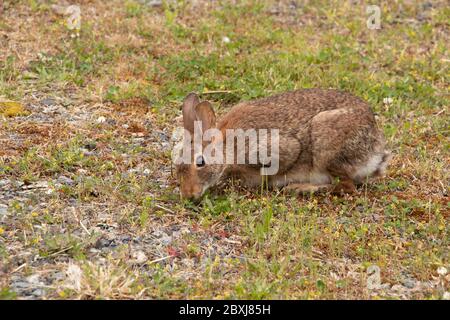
[[90, 207]]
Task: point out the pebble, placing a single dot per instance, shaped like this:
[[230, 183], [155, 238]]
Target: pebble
[[102, 243], [152, 3], [409, 283], [86, 152], [48, 102], [101, 119], [4, 182], [65, 180], [442, 271], [139, 257], [3, 210], [90, 146], [165, 240], [33, 279], [399, 288], [20, 285]]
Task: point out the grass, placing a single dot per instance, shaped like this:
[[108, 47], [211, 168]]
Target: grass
[[132, 65]]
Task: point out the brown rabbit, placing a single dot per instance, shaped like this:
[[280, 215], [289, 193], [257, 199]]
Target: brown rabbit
[[324, 136]]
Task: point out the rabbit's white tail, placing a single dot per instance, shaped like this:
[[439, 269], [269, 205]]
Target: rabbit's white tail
[[385, 159], [374, 167]]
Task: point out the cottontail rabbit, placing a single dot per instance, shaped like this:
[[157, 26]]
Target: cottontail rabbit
[[325, 136]]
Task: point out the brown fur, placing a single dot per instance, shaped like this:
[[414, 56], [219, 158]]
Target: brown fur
[[323, 134]]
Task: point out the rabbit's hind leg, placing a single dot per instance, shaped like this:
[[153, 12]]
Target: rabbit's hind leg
[[348, 145], [305, 188], [344, 186]]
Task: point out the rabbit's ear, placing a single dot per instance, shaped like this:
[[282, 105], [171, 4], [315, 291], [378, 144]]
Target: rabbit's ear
[[189, 104], [204, 112]]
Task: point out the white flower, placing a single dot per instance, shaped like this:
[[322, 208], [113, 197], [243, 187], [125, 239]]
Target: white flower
[[225, 39], [388, 100]]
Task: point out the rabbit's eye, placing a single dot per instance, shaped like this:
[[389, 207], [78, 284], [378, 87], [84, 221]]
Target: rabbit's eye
[[200, 161]]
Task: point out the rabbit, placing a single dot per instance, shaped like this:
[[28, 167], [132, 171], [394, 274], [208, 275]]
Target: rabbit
[[328, 140]]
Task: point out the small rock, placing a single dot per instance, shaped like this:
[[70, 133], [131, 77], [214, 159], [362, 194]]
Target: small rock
[[4, 182], [385, 286], [163, 137], [101, 119], [3, 210], [139, 257], [124, 238], [53, 109], [163, 237], [427, 5], [133, 171], [102, 243], [65, 180], [48, 102], [177, 135], [398, 288], [152, 3], [409, 283], [74, 276], [138, 140], [37, 292], [86, 152], [165, 146], [57, 276], [442, 271], [36, 185], [33, 279]]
